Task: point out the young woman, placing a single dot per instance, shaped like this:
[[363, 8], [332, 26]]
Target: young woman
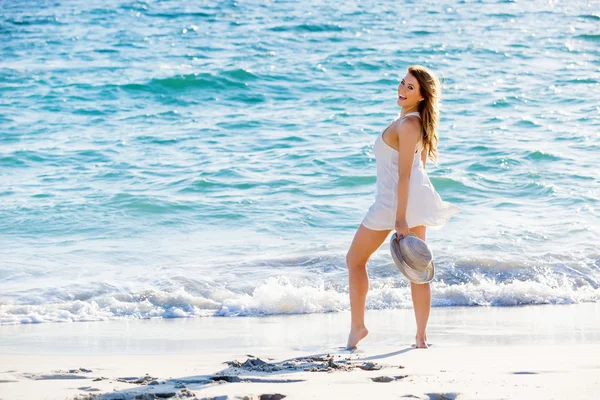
[[406, 201]]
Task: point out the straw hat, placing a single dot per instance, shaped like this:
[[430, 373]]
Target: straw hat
[[413, 258]]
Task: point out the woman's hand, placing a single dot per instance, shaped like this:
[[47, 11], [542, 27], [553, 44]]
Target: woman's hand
[[401, 227]]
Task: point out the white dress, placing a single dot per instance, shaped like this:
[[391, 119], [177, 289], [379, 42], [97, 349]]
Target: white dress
[[424, 207]]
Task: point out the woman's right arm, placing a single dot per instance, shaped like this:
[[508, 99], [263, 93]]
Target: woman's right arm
[[408, 135]]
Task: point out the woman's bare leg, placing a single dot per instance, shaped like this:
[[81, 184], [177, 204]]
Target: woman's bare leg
[[421, 297], [364, 244]]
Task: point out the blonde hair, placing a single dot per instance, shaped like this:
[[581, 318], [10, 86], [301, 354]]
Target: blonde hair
[[431, 91]]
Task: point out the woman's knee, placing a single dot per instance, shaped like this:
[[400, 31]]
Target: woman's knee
[[364, 244], [353, 261], [420, 287]]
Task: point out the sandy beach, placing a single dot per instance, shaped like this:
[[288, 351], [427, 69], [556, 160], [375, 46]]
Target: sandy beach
[[545, 352]]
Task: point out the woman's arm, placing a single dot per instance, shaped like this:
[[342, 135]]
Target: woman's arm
[[408, 135]]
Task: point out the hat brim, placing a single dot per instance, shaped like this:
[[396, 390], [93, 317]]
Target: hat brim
[[412, 275]]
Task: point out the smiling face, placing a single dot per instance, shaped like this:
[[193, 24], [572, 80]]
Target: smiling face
[[409, 94]]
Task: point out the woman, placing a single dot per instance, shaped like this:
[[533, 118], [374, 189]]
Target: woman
[[406, 200]]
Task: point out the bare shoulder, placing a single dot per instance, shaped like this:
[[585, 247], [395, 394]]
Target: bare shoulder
[[408, 130], [412, 122]]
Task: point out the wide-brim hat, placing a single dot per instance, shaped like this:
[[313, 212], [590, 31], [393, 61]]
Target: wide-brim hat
[[413, 257]]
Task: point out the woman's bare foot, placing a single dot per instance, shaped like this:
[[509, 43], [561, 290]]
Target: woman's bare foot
[[421, 342], [355, 336]]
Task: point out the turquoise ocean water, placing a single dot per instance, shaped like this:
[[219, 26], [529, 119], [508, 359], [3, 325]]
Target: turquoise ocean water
[[174, 159]]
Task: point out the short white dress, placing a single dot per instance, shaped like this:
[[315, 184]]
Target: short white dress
[[424, 207]]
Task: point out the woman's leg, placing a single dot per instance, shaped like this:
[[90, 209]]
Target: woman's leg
[[421, 297], [365, 243]]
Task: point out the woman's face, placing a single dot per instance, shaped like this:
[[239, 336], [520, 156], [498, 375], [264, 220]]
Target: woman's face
[[409, 93]]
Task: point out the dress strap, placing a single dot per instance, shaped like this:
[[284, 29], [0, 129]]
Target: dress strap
[[412, 113]]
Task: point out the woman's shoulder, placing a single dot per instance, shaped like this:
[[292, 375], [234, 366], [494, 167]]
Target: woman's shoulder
[[408, 128], [409, 122]]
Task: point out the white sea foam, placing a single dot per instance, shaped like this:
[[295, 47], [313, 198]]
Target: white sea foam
[[283, 295]]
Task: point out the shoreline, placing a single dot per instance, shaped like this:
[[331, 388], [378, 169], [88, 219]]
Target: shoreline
[[512, 352]]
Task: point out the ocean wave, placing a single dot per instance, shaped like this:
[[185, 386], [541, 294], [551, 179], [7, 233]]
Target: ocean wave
[[226, 79], [466, 286], [147, 204], [590, 16], [308, 28], [540, 155], [589, 36]]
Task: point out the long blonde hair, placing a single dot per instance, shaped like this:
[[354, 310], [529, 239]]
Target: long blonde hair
[[431, 91]]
